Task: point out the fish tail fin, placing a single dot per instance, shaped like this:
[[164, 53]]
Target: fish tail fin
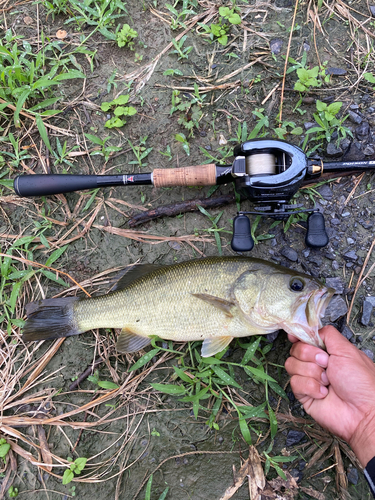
[[50, 319]]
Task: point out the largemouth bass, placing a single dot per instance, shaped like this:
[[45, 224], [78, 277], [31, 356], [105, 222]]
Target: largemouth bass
[[213, 299]]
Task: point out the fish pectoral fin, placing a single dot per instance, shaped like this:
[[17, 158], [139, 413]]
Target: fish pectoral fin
[[210, 347], [222, 304], [130, 342]]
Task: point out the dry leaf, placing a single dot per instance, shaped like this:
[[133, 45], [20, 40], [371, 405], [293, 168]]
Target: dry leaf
[[313, 493], [28, 20], [61, 34]]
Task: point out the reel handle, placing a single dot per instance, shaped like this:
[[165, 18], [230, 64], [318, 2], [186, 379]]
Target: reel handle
[[242, 240], [316, 236]]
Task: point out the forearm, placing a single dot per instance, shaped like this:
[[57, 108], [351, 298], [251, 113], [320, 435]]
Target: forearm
[[363, 439]]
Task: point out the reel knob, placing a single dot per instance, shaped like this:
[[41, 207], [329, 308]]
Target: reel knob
[[242, 240], [316, 236]]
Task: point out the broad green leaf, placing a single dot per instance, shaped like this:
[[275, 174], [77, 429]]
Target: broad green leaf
[[169, 388], [211, 361], [80, 463], [369, 77], [258, 373], [273, 422], [14, 295], [106, 384], [253, 411], [95, 139], [182, 375], [245, 430], [279, 390], [144, 359], [299, 87], [297, 131], [334, 108], [121, 100], [285, 459], [249, 354], [4, 448], [73, 73], [164, 494], [225, 377], [68, 476], [130, 111], [280, 472], [43, 132], [55, 255], [321, 106], [106, 106], [52, 276]]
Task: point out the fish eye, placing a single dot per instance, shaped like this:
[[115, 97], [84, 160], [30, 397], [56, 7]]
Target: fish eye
[[296, 284]]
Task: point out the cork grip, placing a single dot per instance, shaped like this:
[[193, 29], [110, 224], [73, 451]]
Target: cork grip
[[198, 175]]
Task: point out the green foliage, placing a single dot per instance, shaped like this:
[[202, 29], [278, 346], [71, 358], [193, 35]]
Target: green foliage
[[167, 153], [369, 77], [198, 379], [56, 7], [274, 461], [185, 143], [282, 131], [103, 384], [191, 109], [105, 151], [126, 36], [25, 81], [4, 448], [183, 53], [172, 72], [140, 152], [98, 13], [178, 18], [117, 106], [13, 492], [75, 469], [148, 490], [218, 31], [214, 229], [307, 78], [326, 118]]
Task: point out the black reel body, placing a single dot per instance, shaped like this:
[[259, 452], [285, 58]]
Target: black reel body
[[269, 173]]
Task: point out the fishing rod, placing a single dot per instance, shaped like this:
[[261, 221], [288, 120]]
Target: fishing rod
[[267, 172]]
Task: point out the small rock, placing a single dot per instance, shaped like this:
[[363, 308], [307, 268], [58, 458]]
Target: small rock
[[336, 71], [276, 45], [369, 150], [306, 252], [346, 331], [335, 222], [350, 241], [352, 475], [368, 305], [336, 308], [362, 131], [370, 109], [335, 265], [289, 253], [272, 336], [352, 256], [345, 144], [354, 117], [333, 150], [326, 192], [368, 353], [337, 284], [298, 476], [220, 439], [175, 245], [354, 106], [367, 224], [346, 214], [372, 10], [309, 125], [294, 437], [359, 339]]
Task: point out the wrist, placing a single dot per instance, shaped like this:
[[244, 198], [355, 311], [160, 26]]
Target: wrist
[[363, 439]]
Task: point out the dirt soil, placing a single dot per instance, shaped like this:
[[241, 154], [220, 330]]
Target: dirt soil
[[140, 428]]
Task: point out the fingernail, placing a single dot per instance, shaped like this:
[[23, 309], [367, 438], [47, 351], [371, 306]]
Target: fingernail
[[322, 359], [324, 378], [323, 390]]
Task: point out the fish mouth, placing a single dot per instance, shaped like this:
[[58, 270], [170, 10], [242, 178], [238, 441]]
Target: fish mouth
[[308, 315]]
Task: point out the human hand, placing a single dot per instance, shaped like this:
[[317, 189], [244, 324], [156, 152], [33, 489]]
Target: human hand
[[337, 388]]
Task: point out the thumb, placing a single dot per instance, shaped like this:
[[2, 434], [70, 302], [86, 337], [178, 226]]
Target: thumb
[[335, 342]]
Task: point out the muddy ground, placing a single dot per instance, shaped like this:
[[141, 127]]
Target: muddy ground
[[149, 427]]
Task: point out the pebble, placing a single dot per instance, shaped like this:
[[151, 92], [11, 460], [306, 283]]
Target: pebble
[[354, 106], [350, 241], [309, 125], [368, 305], [294, 437], [372, 9], [354, 117], [298, 476], [336, 71], [272, 336], [337, 284], [276, 45], [354, 153], [346, 331], [367, 224], [336, 309], [289, 253], [333, 150], [362, 131], [369, 150], [370, 109], [368, 353], [352, 256], [326, 192], [335, 265], [352, 475], [345, 143], [346, 214], [306, 252]]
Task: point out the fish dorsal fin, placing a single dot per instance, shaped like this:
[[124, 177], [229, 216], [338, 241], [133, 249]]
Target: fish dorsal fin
[[222, 304], [130, 342], [131, 273], [210, 347]]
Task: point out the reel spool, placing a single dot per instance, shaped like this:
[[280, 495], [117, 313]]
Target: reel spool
[[261, 164]]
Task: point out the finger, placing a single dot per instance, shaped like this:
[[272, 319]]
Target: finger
[[306, 352], [336, 343], [306, 387], [311, 370], [292, 338]]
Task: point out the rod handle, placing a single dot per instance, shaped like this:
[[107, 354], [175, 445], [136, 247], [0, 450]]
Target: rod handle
[[198, 175], [46, 184]]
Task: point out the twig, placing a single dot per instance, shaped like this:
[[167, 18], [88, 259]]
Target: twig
[[89, 370]]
